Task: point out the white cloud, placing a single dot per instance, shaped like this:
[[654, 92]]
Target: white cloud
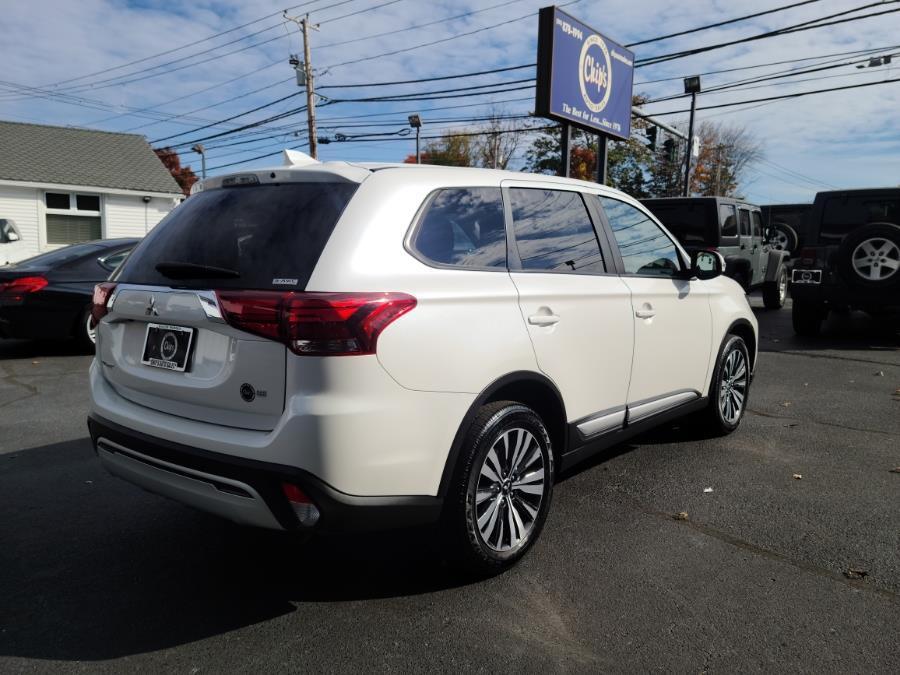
[[843, 138]]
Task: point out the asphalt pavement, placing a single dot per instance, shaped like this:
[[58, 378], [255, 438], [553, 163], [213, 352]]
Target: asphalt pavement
[[790, 562]]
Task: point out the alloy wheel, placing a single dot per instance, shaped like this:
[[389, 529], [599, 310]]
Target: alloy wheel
[[876, 259], [782, 287], [780, 240], [733, 387], [510, 489], [91, 331]]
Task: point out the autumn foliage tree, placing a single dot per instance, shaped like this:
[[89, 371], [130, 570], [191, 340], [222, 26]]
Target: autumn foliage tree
[[183, 175]]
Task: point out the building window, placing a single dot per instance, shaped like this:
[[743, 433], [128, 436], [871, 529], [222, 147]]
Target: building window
[[72, 218]]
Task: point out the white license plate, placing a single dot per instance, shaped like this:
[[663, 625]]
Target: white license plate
[[806, 276], [167, 347]]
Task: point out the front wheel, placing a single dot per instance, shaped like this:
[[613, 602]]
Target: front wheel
[[775, 292], [729, 388], [501, 489]]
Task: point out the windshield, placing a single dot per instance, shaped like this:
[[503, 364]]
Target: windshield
[[260, 237]]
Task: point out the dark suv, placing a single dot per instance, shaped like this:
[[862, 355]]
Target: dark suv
[[851, 257], [735, 229]]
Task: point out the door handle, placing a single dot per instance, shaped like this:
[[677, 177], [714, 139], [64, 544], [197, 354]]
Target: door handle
[[645, 313], [543, 319]]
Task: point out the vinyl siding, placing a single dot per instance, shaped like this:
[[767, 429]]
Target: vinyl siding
[[124, 215], [22, 205]]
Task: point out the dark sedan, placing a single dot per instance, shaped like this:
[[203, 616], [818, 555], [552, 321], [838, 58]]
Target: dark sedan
[[49, 296]]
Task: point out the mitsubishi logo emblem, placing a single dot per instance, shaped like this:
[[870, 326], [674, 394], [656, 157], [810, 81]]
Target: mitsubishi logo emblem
[[151, 307]]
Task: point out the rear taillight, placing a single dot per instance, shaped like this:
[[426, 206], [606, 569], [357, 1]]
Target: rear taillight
[[807, 256], [102, 293], [16, 289], [316, 324]]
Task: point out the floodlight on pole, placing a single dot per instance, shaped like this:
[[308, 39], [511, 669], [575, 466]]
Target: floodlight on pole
[[415, 121], [200, 150]]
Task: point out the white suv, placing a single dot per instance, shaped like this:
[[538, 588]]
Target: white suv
[[332, 346]]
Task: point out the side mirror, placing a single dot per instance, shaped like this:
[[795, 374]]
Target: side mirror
[[707, 264], [12, 235]]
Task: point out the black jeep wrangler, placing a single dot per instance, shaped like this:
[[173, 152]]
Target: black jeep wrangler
[[735, 229], [850, 259]]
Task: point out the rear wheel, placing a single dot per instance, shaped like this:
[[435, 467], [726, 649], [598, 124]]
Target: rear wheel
[[775, 292], [729, 388], [807, 318], [501, 489], [85, 333]]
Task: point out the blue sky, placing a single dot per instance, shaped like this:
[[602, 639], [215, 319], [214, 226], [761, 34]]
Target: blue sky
[[54, 48]]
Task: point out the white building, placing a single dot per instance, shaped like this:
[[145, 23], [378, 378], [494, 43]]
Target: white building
[[60, 186]]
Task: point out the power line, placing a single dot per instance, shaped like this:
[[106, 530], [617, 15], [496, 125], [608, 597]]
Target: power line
[[795, 28], [722, 23]]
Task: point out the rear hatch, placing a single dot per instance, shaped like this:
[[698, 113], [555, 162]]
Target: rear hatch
[[164, 342]]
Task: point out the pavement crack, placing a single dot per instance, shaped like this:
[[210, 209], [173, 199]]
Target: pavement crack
[[737, 542], [847, 427]]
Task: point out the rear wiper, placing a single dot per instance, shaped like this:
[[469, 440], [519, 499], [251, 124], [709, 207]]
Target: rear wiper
[[186, 270]]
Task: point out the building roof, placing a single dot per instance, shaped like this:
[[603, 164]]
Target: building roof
[[37, 153]]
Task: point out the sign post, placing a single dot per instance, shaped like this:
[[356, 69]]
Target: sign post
[[584, 79]]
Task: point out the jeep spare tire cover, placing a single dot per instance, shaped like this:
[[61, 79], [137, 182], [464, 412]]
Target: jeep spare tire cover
[[870, 256]]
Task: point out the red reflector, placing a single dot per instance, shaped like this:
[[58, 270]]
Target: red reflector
[[316, 324], [294, 494], [99, 308], [807, 256]]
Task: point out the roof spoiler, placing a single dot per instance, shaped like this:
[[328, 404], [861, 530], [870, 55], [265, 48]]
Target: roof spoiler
[[297, 158]]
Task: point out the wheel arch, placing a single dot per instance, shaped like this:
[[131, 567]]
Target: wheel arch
[[743, 329], [530, 388], [775, 264]]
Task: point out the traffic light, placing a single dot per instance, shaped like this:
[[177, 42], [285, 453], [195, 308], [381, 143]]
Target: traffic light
[[651, 135], [669, 146]]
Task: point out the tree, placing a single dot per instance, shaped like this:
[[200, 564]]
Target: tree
[[449, 150], [726, 152], [183, 175], [626, 161], [495, 149]]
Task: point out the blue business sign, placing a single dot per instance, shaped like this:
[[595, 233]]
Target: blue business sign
[[583, 77]]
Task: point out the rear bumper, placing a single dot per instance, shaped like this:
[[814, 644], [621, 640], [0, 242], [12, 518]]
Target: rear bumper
[[832, 291], [244, 490]]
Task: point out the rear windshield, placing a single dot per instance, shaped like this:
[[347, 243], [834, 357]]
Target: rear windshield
[[689, 222], [260, 237]]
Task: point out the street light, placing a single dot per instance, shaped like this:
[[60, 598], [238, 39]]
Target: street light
[[199, 149], [416, 123], [692, 87]]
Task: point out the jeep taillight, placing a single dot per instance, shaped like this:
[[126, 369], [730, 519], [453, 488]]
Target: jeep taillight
[[316, 324], [100, 303], [807, 256]]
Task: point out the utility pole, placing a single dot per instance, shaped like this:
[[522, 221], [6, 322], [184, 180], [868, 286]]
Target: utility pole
[[692, 87], [565, 146], [305, 69]]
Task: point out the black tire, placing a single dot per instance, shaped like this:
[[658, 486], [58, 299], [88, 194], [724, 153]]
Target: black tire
[[788, 241], [469, 547], [807, 318], [852, 259], [727, 378], [82, 334], [775, 292]]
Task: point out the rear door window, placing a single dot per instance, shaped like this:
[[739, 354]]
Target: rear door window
[[745, 223], [463, 227], [259, 237], [728, 220], [554, 232], [757, 224]]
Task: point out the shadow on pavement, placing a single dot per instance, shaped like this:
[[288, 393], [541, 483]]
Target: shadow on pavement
[[30, 349], [94, 568]]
